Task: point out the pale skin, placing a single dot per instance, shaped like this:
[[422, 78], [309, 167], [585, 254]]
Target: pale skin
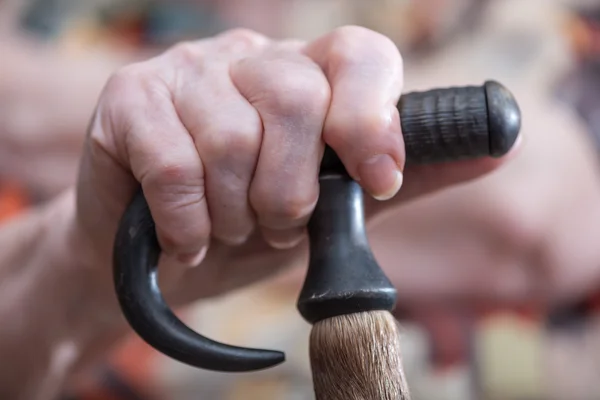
[[214, 211], [40, 132], [230, 195]]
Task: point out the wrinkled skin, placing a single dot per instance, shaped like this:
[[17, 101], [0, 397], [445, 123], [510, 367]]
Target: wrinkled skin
[[225, 136]]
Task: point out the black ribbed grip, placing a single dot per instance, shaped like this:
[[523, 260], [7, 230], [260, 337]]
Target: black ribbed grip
[[444, 124], [457, 123], [452, 124]]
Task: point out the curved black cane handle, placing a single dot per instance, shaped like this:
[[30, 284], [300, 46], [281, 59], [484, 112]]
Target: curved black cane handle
[[135, 257], [438, 125]]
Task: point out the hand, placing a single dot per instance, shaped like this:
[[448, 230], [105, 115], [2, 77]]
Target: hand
[[225, 136]]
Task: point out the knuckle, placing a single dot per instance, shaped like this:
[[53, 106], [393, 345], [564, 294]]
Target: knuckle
[[119, 84], [352, 33], [99, 142], [282, 209], [374, 124], [177, 189], [346, 43], [126, 89], [351, 45], [175, 178], [189, 52], [128, 77], [244, 36], [125, 103], [233, 236], [122, 96], [293, 92], [230, 139], [367, 126], [174, 238]]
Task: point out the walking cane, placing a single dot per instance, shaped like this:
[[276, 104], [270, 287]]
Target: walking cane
[[346, 296]]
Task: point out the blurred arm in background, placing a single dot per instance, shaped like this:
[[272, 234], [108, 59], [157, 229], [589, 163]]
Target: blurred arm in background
[[56, 57], [48, 91]]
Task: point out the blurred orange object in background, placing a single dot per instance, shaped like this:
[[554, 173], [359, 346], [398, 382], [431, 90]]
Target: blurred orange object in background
[[12, 200]]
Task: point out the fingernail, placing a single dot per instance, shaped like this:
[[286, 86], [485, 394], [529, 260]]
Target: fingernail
[[193, 259], [284, 239], [380, 176]]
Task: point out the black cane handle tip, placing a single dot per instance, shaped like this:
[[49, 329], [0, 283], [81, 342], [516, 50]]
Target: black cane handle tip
[[457, 123], [504, 118], [135, 258]]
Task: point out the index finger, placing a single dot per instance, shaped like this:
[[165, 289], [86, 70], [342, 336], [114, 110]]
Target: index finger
[[363, 125], [364, 69]]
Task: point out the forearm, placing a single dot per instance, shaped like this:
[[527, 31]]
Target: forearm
[[47, 96], [55, 312], [50, 85], [57, 304]]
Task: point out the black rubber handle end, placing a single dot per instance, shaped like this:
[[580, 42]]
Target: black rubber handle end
[[459, 123], [504, 118]]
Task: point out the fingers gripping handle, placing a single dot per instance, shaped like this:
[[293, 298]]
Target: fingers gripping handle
[[343, 275], [453, 124], [438, 125]]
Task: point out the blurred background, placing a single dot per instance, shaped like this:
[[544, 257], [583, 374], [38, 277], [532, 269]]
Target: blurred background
[[57, 54]]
